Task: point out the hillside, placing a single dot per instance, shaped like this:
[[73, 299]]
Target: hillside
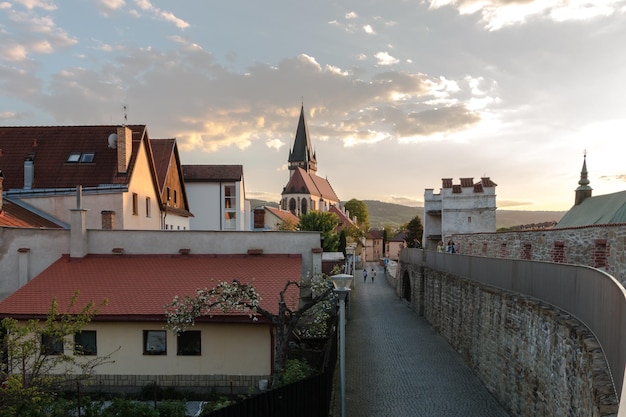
[[388, 214]]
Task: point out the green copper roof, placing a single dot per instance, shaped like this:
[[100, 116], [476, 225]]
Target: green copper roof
[[603, 209]]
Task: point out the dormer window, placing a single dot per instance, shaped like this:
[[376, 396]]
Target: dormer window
[[81, 157]]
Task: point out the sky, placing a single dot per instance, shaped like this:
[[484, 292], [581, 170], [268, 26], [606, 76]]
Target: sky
[[397, 94]]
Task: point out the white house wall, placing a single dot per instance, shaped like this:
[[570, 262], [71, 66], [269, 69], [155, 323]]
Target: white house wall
[[25, 253], [142, 184], [205, 202]]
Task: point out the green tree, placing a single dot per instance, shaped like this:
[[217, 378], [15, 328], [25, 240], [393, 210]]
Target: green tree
[[325, 223], [414, 232], [342, 242], [359, 209], [36, 365]]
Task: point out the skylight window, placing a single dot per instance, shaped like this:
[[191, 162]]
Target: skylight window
[[74, 157], [81, 157]]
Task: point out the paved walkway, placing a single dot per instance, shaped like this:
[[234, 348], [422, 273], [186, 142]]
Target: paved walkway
[[397, 365]]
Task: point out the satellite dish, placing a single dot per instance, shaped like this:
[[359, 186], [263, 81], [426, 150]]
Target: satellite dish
[[113, 141]]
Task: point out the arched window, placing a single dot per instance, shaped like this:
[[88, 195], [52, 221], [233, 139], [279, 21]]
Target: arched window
[[303, 206], [292, 205]]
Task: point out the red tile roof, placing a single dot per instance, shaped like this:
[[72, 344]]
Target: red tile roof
[[212, 173], [302, 182], [50, 146], [14, 215], [138, 286], [162, 150], [283, 215]]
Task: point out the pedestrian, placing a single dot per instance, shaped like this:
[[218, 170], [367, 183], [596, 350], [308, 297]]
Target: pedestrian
[[373, 274], [364, 275], [440, 247], [451, 247]]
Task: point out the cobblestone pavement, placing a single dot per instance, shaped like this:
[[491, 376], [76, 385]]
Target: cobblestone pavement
[[397, 365]]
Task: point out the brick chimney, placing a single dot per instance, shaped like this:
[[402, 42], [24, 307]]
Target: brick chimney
[[1, 189], [124, 148], [108, 219], [259, 218]]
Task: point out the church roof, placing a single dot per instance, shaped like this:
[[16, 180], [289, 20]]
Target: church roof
[[302, 151], [602, 209], [302, 182]]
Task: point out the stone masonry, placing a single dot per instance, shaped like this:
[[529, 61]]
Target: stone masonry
[[536, 360], [601, 246]]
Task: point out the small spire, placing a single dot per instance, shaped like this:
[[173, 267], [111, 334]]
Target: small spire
[[584, 190]]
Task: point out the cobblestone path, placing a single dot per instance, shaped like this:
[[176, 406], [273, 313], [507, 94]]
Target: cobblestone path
[[397, 365]]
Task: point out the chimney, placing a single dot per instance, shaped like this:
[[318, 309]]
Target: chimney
[[1, 189], [108, 219], [259, 218], [78, 229], [124, 148], [29, 172]]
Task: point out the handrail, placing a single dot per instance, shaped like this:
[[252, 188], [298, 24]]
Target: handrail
[[592, 296]]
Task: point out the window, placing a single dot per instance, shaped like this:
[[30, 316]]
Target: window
[[74, 157], [175, 198], [154, 342], [189, 343], [51, 345], [230, 207], [135, 203], [148, 207], [167, 196], [85, 343], [78, 157]]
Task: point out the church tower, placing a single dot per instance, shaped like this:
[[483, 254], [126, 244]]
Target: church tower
[[302, 154], [584, 190]]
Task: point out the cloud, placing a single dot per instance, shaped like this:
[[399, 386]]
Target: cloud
[[170, 17], [385, 59], [369, 30], [496, 14]]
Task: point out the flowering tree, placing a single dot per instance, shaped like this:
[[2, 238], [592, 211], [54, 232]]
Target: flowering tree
[[182, 312]]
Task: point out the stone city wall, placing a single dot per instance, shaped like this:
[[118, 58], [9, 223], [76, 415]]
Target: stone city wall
[[536, 360], [601, 247]]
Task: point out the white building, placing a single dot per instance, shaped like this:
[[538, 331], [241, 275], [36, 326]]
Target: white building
[[467, 207], [218, 197]]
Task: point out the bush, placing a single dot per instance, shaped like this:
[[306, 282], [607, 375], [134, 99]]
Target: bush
[[122, 407], [295, 370], [171, 409]]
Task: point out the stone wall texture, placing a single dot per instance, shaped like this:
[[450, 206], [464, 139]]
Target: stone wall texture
[[601, 246], [535, 359]]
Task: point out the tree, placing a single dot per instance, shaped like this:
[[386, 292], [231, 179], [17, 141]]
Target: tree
[[286, 225], [325, 223], [182, 312], [359, 209], [35, 364], [414, 232]]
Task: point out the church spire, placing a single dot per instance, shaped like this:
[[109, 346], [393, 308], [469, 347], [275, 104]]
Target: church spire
[[584, 190], [302, 154]]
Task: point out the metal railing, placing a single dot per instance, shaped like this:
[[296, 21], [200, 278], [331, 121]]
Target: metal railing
[[592, 296]]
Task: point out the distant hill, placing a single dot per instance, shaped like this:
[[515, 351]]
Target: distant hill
[[388, 214]]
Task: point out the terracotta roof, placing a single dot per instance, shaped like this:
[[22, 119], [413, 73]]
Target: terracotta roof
[[162, 150], [345, 221], [302, 182], [212, 173], [375, 234], [50, 146], [283, 215], [13, 215], [138, 286]]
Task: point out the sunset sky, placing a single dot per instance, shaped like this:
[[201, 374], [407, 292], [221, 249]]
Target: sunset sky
[[398, 94]]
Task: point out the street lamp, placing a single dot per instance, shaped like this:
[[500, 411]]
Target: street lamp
[[342, 288]]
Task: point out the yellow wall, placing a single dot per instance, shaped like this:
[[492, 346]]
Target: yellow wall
[[227, 349]]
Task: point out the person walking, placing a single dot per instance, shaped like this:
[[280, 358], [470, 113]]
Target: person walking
[[364, 275], [373, 274]]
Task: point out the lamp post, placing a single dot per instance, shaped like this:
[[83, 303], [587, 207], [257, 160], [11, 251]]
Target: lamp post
[[342, 288]]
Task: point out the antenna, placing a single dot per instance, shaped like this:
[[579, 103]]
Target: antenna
[[125, 110]]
